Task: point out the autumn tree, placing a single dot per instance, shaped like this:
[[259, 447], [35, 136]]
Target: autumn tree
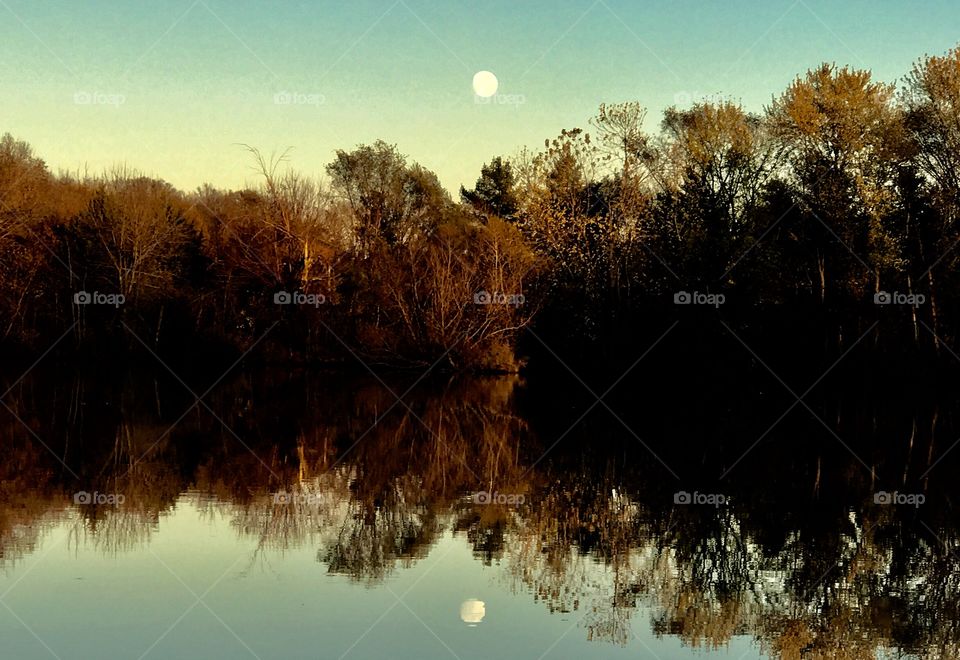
[[932, 117], [389, 200], [134, 239], [714, 163], [627, 151], [427, 278], [30, 277], [842, 137], [583, 206]]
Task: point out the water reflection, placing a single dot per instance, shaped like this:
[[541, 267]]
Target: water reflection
[[819, 570], [472, 611]]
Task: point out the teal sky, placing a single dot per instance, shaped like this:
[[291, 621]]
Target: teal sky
[[172, 87]]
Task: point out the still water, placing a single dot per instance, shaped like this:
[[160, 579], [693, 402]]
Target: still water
[[316, 517]]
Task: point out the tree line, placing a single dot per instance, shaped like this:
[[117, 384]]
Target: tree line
[[835, 207]]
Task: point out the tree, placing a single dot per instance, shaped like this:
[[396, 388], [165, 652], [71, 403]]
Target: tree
[[620, 131], [25, 187], [390, 200], [494, 193], [134, 239], [842, 137], [24, 181], [568, 215], [624, 144], [932, 101], [714, 164], [138, 233]]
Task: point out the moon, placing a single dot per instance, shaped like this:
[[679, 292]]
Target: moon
[[485, 84], [472, 611]]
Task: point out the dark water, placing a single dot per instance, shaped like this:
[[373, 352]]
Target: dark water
[[315, 516]]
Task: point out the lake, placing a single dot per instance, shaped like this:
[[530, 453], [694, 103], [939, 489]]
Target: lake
[[347, 515]]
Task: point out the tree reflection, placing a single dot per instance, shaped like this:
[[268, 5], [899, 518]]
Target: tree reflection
[[372, 486]]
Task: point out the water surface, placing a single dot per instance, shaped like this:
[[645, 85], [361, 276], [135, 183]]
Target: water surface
[[316, 517]]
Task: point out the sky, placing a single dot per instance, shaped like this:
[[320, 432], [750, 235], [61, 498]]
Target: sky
[[174, 88]]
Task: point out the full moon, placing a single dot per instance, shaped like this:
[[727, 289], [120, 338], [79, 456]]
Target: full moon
[[472, 611], [485, 84]]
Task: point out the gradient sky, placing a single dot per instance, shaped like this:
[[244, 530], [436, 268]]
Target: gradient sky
[[172, 87]]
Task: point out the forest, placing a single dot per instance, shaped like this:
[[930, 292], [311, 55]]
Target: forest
[[831, 214]]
